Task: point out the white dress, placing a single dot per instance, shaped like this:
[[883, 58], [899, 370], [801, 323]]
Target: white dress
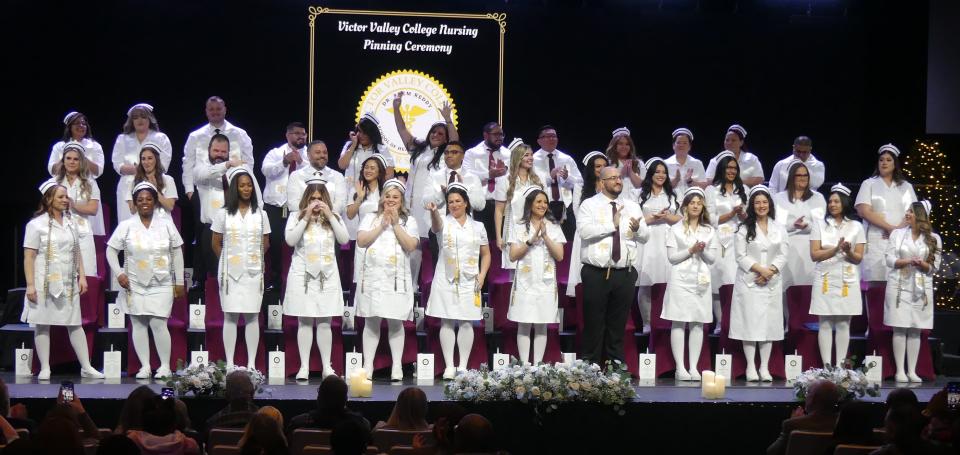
[[892, 202], [653, 266], [85, 223], [749, 166], [724, 270], [533, 298], [240, 269], [418, 181], [169, 192], [512, 213], [313, 282], [628, 188], [360, 154], [126, 150], [369, 205], [757, 311], [909, 296], [95, 155], [453, 294], [149, 265], [58, 294], [689, 297], [799, 270], [384, 283], [836, 281]]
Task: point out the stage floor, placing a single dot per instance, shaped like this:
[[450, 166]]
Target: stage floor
[[663, 390]]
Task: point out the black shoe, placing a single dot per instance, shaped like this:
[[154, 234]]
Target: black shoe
[[271, 288], [196, 286]]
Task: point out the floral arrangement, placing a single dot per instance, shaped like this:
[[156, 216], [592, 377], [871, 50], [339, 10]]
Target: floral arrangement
[[208, 379], [545, 384], [851, 382]]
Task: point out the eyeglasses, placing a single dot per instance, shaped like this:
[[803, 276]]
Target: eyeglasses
[[616, 177], [451, 152], [801, 175], [548, 136]]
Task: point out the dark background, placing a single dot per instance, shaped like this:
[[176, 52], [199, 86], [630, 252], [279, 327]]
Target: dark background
[[849, 73]]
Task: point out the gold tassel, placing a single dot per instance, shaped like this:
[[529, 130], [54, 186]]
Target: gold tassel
[[845, 290], [826, 286]]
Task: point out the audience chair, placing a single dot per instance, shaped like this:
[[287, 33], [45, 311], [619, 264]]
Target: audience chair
[[313, 450], [303, 437], [853, 449], [809, 442], [225, 450], [223, 437], [385, 439]]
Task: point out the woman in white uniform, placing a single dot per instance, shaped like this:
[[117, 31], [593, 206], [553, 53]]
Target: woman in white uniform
[[364, 199], [77, 129], [313, 293], [881, 202], [151, 276], [365, 141], [53, 269], [726, 202], [84, 195], [592, 164], [141, 127], [422, 153], [150, 169], [751, 171], [692, 248], [384, 284], [659, 204], [913, 256], [536, 245], [756, 315], [685, 170], [461, 270], [508, 195], [836, 245], [240, 240], [622, 154], [797, 206]]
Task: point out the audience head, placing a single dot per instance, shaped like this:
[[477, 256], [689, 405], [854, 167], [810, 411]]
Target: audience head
[[159, 416], [4, 399], [183, 415], [59, 432], [902, 396], [264, 431], [349, 437], [332, 395], [239, 387], [410, 410], [855, 424], [474, 433], [131, 415], [822, 397], [117, 444], [904, 424]]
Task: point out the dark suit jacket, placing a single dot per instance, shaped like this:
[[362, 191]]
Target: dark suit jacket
[[813, 422]]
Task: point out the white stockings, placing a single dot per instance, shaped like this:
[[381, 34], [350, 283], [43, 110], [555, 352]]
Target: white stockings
[[251, 334]]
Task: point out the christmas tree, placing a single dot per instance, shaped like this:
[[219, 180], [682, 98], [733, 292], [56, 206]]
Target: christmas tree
[[928, 169]]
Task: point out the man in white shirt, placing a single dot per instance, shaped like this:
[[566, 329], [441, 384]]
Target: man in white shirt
[[684, 170], [611, 229], [802, 151], [195, 151], [336, 185], [488, 161], [211, 183], [559, 174], [277, 166], [452, 171]]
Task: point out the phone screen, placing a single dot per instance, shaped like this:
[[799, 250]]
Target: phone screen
[[953, 395], [166, 392], [66, 391]]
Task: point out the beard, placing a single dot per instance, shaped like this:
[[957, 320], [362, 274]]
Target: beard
[[217, 160]]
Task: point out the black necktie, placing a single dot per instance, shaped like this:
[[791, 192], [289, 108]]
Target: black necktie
[[216, 131], [453, 177], [554, 187], [616, 235]]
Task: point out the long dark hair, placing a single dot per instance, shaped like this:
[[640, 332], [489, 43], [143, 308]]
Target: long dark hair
[[372, 131], [647, 187], [462, 194], [381, 175], [421, 146], [68, 136], [897, 170], [128, 125], [792, 181], [846, 204], [232, 197], [263, 435], [141, 174], [720, 178], [528, 207], [751, 220], [590, 180], [131, 415]]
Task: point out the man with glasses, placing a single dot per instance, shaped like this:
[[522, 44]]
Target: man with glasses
[[488, 161], [453, 170], [277, 166], [802, 148], [611, 230], [559, 174]]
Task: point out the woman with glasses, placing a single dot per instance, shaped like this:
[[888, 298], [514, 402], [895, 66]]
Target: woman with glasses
[[140, 128], [77, 129], [726, 204]]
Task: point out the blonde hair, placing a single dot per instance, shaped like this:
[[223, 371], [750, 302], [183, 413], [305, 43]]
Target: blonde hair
[[324, 196], [612, 158], [83, 173], [516, 157], [922, 219], [402, 211]]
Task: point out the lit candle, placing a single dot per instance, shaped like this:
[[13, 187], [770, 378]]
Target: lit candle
[[719, 387], [706, 383], [365, 388]]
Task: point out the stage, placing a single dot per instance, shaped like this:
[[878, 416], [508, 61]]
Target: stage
[[667, 413]]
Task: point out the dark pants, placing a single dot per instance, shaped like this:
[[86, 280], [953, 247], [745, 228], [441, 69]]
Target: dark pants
[[204, 261], [275, 254], [485, 216], [569, 225], [199, 266], [606, 306]]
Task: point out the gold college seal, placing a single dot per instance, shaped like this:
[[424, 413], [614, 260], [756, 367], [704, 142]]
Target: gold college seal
[[423, 96]]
